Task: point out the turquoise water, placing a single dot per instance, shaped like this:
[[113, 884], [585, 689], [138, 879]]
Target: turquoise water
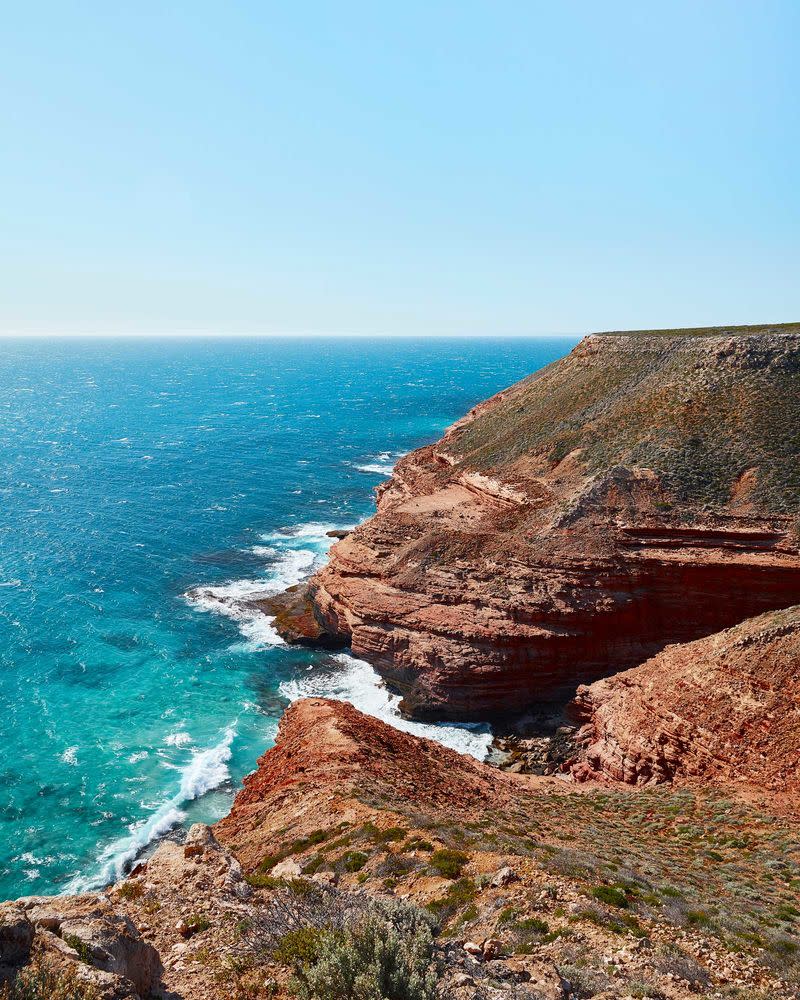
[[146, 488]]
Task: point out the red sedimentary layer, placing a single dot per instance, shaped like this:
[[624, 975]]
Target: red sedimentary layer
[[329, 758], [639, 492], [725, 708]]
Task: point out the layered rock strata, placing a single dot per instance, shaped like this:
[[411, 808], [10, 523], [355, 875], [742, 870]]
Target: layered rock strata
[[724, 710], [644, 490]]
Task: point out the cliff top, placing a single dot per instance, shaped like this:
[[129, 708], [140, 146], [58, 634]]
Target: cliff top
[[710, 413], [758, 329]]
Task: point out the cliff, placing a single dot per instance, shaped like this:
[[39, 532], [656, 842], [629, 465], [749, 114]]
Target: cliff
[[620, 507], [526, 888], [644, 490], [724, 709]]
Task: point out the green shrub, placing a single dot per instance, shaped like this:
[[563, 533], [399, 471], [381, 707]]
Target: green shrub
[[611, 895], [458, 894], [448, 862], [198, 922], [417, 844], [353, 861], [79, 945], [388, 836], [131, 889], [386, 955], [258, 880], [300, 947]]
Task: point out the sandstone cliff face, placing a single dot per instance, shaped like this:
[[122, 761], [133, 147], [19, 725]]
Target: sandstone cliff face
[[724, 709], [644, 490]]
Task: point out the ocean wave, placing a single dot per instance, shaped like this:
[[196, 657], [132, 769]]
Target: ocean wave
[[381, 464], [376, 468], [293, 554], [357, 683], [207, 770]]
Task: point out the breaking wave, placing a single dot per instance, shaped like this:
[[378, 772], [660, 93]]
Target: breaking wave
[[292, 555], [355, 681], [207, 769], [381, 464]]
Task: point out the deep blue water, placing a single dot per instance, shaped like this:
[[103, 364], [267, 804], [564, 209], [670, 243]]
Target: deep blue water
[[134, 473]]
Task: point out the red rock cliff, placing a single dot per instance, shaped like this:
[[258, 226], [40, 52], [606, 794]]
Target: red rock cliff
[[644, 490], [724, 709]]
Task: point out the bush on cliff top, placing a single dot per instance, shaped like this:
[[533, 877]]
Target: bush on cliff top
[[387, 954]]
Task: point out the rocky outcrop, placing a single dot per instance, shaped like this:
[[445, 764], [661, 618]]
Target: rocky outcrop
[[724, 710], [644, 490], [84, 934], [330, 759], [534, 887]]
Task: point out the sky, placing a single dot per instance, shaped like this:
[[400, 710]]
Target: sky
[[413, 168]]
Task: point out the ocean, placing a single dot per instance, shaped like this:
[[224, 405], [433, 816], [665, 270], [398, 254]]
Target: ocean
[[147, 487]]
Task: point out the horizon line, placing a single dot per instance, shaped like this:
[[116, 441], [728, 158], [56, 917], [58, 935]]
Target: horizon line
[[208, 335]]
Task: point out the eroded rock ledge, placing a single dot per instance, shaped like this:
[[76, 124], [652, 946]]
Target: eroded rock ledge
[[644, 490], [724, 709]]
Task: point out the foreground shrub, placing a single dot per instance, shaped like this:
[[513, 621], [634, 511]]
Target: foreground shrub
[[385, 955], [40, 981]]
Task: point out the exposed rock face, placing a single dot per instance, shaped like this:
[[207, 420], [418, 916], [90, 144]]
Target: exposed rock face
[[295, 620], [346, 814], [127, 943], [725, 709], [329, 752], [83, 932], [644, 490]]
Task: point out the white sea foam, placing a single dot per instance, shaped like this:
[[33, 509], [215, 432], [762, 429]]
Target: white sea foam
[[70, 756], [208, 769], [375, 468], [293, 554], [381, 464], [359, 684], [178, 739]]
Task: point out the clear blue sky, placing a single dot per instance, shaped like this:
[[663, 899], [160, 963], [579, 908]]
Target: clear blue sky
[[398, 168]]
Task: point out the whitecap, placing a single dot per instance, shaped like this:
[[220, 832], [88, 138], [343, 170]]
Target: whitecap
[[263, 551], [374, 468], [357, 683], [178, 739], [136, 757], [11, 583], [70, 756], [207, 770], [381, 464]]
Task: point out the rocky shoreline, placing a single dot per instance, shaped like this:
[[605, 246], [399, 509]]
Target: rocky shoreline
[[605, 561]]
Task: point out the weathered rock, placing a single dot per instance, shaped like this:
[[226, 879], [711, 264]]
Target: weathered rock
[[114, 945], [295, 618], [16, 935], [642, 491], [492, 948], [327, 750], [503, 877], [287, 869], [725, 708]]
